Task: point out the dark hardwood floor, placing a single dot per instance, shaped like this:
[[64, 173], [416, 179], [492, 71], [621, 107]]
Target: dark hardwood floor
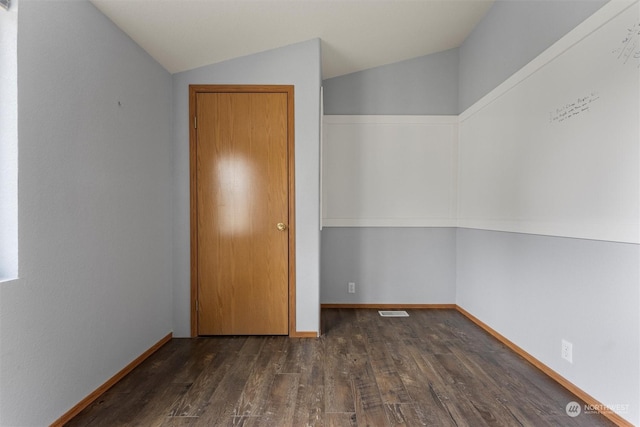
[[434, 368]]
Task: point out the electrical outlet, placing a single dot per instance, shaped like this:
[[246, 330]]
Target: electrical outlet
[[352, 287], [567, 351]]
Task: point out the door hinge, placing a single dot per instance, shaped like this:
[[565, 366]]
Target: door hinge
[[195, 122], [197, 305]]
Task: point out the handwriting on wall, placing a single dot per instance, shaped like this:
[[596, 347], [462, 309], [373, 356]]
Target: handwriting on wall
[[572, 109], [629, 48]]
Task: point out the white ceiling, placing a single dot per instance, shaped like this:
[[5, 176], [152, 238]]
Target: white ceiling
[[356, 34]]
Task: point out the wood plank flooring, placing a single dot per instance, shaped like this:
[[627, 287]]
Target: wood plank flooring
[[434, 368]]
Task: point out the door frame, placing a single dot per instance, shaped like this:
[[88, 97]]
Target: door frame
[[193, 91]]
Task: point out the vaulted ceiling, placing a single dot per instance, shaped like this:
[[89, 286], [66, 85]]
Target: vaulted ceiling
[[356, 34]]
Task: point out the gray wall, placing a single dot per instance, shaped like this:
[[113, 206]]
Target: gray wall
[[538, 290], [298, 64], [424, 85], [510, 35], [8, 144], [94, 290], [389, 265]]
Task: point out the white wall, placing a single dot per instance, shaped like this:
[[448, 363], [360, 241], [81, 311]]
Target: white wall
[[554, 151], [389, 171], [94, 211], [298, 64]]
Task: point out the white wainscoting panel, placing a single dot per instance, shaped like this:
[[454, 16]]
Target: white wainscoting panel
[[389, 171], [555, 150]]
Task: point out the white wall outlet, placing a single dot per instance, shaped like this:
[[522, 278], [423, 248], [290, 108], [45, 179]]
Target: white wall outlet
[[352, 287], [567, 351]]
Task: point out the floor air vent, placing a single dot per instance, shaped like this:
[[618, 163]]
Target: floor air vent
[[394, 313]]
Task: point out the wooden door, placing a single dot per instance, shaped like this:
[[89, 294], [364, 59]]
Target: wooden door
[[242, 209]]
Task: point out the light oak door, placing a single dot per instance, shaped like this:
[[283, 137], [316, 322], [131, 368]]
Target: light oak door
[[242, 209]]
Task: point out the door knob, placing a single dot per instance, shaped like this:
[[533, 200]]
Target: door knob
[[281, 226]]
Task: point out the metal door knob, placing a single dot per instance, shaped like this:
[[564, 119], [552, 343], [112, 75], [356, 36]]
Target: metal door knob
[[281, 226]]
